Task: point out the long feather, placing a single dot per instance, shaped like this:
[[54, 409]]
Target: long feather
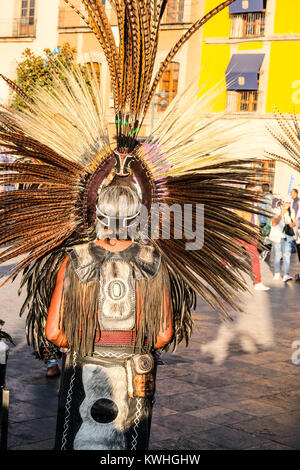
[[195, 27], [17, 89], [195, 157], [69, 119], [102, 29], [286, 133]]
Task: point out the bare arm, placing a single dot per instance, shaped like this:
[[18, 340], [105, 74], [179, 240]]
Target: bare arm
[[54, 332], [166, 333], [277, 219]]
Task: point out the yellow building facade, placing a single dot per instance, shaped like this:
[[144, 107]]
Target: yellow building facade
[[251, 51]]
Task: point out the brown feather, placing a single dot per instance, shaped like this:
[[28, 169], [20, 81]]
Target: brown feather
[[195, 27]]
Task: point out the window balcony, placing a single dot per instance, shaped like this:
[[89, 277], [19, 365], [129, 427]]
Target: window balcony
[[18, 28], [248, 25], [242, 101]]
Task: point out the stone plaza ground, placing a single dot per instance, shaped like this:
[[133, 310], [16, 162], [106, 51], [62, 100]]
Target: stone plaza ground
[[251, 401]]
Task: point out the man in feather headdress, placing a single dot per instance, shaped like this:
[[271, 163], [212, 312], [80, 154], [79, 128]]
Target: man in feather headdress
[[120, 322], [111, 302]]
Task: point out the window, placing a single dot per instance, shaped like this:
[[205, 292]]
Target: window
[[27, 12], [248, 25], [242, 101], [254, 24], [174, 12], [168, 85], [26, 25], [247, 101]]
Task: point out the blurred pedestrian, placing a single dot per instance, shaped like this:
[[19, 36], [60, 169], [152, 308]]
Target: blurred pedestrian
[[297, 236], [296, 207], [295, 200], [251, 249], [251, 328], [265, 220], [282, 234]]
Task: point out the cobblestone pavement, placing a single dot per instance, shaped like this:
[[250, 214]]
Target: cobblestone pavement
[[251, 401]]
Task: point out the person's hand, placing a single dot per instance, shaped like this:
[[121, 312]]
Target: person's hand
[[292, 224]]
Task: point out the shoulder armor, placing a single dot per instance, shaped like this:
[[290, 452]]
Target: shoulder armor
[[84, 263], [147, 262], [88, 258]]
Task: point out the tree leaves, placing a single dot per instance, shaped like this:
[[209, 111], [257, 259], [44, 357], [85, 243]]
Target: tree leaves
[[35, 69]]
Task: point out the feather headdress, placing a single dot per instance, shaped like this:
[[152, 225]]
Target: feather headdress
[[191, 158]]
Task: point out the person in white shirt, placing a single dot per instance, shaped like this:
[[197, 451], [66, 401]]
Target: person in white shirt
[[282, 235]]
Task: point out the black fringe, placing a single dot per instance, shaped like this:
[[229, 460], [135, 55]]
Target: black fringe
[[80, 306], [80, 312], [39, 280], [184, 301], [152, 319]]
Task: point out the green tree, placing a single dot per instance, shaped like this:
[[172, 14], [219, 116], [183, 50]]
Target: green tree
[[36, 69]]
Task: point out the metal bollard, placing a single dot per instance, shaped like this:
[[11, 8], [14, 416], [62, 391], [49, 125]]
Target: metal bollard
[[4, 396]]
